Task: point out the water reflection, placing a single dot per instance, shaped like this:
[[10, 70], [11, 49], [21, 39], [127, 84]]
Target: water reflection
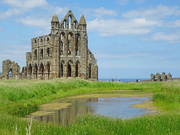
[[113, 107]]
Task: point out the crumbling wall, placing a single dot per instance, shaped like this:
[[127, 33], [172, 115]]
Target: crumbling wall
[[162, 77], [10, 69]]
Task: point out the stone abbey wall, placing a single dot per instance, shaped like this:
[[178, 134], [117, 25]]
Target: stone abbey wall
[[162, 77], [62, 53]]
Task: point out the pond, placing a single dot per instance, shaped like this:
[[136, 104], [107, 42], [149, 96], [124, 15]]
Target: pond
[[65, 111]]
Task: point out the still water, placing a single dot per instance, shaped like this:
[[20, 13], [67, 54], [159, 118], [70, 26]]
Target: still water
[[116, 107]]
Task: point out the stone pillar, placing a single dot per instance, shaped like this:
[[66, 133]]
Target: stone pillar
[[65, 70], [152, 77], [73, 70], [158, 77], [169, 76], [164, 76]]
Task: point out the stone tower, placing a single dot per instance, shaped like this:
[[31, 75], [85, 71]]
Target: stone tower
[[62, 53]]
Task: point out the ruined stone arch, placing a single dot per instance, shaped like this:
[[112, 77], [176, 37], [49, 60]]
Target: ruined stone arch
[[30, 69], [64, 23], [69, 68], [10, 73], [47, 38], [24, 70], [41, 71]]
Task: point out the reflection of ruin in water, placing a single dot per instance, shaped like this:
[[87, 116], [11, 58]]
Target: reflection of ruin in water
[[68, 115], [116, 107]]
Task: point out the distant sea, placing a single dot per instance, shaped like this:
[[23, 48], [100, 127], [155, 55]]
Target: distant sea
[[123, 79], [116, 80]]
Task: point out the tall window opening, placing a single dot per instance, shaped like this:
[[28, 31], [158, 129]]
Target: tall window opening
[[74, 25], [69, 22], [69, 70], [10, 74], [48, 51], [61, 69], [36, 71], [64, 24], [89, 70], [30, 69], [48, 69], [76, 44], [35, 54], [62, 47], [42, 53], [62, 42], [77, 69], [41, 71], [69, 38]]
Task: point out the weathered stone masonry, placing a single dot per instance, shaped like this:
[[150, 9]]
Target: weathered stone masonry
[[62, 53]]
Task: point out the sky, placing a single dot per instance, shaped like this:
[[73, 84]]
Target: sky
[[129, 38]]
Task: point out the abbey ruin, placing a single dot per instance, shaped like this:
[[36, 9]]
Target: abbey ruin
[[162, 77], [62, 53]]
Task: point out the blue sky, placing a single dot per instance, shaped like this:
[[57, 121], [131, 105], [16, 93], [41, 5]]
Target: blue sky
[[129, 38]]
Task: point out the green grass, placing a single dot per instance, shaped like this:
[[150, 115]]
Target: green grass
[[19, 98]]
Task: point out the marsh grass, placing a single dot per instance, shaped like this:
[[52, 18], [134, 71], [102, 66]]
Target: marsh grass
[[163, 124], [19, 98]]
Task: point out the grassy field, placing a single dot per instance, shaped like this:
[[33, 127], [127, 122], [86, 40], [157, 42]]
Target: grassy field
[[19, 98]]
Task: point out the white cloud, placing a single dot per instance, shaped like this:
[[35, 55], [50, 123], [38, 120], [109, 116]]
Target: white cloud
[[36, 22], [174, 24], [158, 12], [104, 12], [19, 7], [99, 12], [170, 38], [115, 27], [60, 11], [9, 13], [25, 4], [16, 53], [122, 2]]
